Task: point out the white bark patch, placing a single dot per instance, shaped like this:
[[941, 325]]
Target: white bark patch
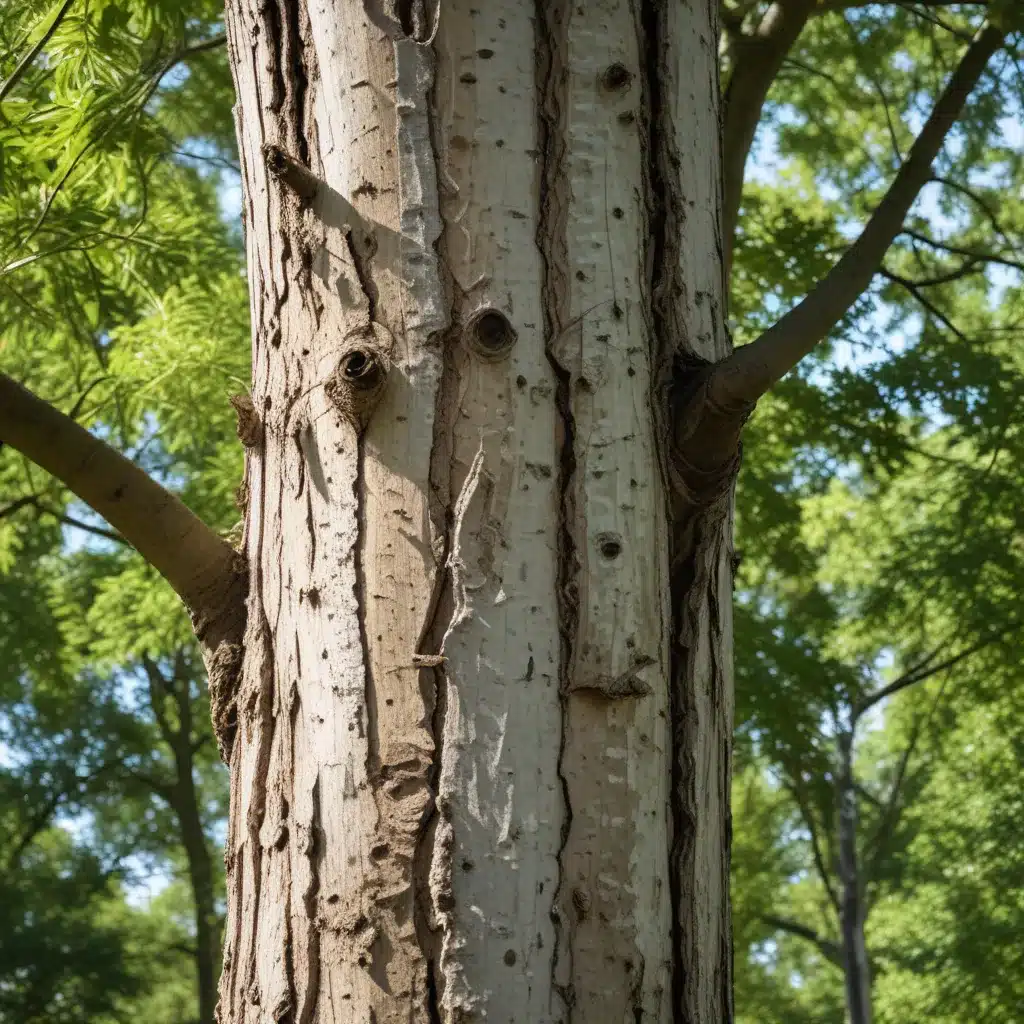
[[495, 868], [616, 757]]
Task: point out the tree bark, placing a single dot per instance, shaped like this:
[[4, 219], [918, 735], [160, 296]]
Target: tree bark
[[482, 760]]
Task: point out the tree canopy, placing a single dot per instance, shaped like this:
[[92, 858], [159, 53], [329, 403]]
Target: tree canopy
[[879, 571]]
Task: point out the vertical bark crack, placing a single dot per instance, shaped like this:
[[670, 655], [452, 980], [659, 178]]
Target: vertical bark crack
[[359, 592], [693, 526], [427, 914], [314, 852], [551, 63]]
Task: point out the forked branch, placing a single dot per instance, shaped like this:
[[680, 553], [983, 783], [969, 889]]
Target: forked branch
[[751, 370], [830, 950]]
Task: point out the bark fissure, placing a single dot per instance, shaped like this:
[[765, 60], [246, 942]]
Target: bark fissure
[[551, 70], [314, 852], [665, 230], [688, 328], [429, 861], [429, 920]]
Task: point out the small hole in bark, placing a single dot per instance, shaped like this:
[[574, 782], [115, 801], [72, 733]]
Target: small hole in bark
[[610, 546], [617, 213], [490, 333], [580, 276], [510, 957], [361, 370], [485, 54], [379, 851], [616, 311], [275, 159], [467, 78], [631, 372], [627, 117], [616, 77], [467, 865], [520, 382]]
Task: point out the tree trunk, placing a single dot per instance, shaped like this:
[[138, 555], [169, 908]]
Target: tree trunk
[[200, 873], [481, 764], [856, 967]]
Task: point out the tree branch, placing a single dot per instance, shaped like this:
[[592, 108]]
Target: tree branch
[[975, 197], [828, 949], [157, 691], [959, 250], [911, 287], [924, 670], [198, 564], [96, 531], [966, 269], [751, 370], [758, 58], [889, 817], [26, 62], [17, 504], [816, 852]]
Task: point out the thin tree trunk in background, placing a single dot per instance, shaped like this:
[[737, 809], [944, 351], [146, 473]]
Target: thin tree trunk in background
[[856, 968], [481, 765], [200, 873]]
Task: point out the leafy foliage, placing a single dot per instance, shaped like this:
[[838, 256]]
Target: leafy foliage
[[879, 525]]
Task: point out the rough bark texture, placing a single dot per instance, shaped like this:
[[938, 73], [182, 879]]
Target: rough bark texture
[[484, 716]]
